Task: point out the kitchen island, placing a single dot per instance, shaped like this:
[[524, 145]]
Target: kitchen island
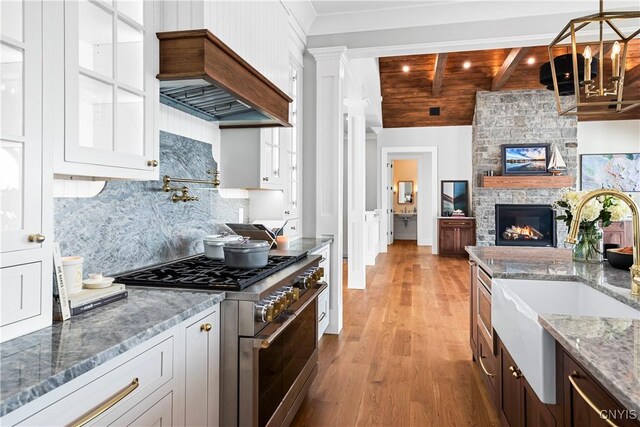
[[596, 354], [553, 264]]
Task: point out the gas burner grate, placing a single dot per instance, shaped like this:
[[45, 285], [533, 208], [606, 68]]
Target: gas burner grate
[[204, 273]]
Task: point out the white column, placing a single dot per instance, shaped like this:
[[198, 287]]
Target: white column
[[330, 69], [356, 193]]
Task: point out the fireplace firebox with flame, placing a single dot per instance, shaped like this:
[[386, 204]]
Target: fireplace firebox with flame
[[525, 225], [521, 233]]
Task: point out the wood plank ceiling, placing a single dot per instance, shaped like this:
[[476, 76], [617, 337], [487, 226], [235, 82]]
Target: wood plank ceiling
[[441, 80]]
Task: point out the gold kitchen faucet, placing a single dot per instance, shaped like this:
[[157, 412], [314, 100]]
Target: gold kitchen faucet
[[635, 211]]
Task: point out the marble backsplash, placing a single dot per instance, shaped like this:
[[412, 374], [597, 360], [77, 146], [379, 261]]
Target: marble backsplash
[[133, 224]]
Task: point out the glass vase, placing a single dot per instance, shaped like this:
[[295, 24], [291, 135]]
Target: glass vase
[[590, 245]]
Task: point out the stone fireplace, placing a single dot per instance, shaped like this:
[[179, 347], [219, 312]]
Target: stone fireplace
[[525, 225], [516, 117]]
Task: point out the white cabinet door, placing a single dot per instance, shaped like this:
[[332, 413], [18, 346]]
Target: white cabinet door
[[324, 297], [25, 182], [20, 124], [270, 158], [291, 146], [20, 292], [110, 86], [202, 375], [251, 158], [323, 312]]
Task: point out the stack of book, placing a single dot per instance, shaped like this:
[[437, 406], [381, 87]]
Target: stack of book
[[88, 299]]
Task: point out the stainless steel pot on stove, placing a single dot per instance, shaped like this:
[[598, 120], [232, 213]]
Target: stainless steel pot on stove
[[246, 254]]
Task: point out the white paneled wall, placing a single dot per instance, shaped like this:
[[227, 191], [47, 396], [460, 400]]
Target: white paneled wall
[[183, 124], [255, 30]]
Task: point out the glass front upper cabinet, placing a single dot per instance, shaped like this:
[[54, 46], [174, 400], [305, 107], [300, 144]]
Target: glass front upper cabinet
[[20, 124], [109, 88]]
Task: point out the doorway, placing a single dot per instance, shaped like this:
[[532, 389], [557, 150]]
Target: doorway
[[425, 193], [405, 199]]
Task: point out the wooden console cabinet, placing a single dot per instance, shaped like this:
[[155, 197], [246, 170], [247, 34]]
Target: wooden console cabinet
[[454, 234]]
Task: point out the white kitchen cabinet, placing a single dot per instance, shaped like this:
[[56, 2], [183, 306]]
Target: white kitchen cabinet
[[202, 371], [110, 93], [324, 297], [25, 178], [251, 158], [323, 312], [171, 379], [138, 373]]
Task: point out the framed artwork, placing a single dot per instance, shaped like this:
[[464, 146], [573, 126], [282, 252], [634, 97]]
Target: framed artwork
[[454, 195], [525, 159], [617, 171]]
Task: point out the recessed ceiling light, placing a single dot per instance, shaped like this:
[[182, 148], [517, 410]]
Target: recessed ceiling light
[[405, 68], [531, 60], [466, 65]]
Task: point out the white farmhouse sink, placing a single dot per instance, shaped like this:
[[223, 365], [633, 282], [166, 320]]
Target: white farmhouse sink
[[515, 306]]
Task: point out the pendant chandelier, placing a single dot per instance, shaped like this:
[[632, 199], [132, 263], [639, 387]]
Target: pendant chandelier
[[593, 69]]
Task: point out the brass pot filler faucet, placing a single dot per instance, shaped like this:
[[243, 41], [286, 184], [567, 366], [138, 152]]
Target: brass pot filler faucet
[[635, 211], [184, 190]]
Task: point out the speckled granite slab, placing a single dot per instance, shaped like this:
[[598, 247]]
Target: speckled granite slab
[[608, 348], [303, 245], [37, 363], [553, 264]]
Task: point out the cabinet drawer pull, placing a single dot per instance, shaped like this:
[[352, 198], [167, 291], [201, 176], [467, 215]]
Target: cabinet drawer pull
[[36, 238], [322, 316], [265, 178], [152, 163], [105, 406], [487, 373], [205, 327], [587, 400]]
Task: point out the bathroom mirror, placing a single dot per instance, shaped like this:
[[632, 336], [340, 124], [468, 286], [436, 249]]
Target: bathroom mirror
[[455, 195], [405, 192]]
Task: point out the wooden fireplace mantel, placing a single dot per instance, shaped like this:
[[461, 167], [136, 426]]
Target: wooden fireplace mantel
[[528, 181]]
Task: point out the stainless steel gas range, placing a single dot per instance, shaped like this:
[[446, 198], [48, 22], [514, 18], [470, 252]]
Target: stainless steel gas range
[[269, 331]]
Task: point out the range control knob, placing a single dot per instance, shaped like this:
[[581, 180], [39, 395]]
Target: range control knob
[[264, 311], [284, 297], [303, 282], [320, 273], [291, 293], [288, 295], [278, 303]]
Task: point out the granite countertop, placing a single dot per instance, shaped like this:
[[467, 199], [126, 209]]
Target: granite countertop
[[39, 362], [553, 264], [608, 348], [301, 246]]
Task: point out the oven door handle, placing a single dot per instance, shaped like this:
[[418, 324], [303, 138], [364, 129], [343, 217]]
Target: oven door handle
[[265, 341]]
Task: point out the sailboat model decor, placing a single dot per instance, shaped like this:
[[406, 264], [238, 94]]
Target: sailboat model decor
[[556, 163]]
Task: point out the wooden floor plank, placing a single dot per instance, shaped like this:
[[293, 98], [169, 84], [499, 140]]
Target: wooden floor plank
[[403, 357]]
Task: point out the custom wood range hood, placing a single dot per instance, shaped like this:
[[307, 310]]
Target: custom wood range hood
[[202, 76]]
